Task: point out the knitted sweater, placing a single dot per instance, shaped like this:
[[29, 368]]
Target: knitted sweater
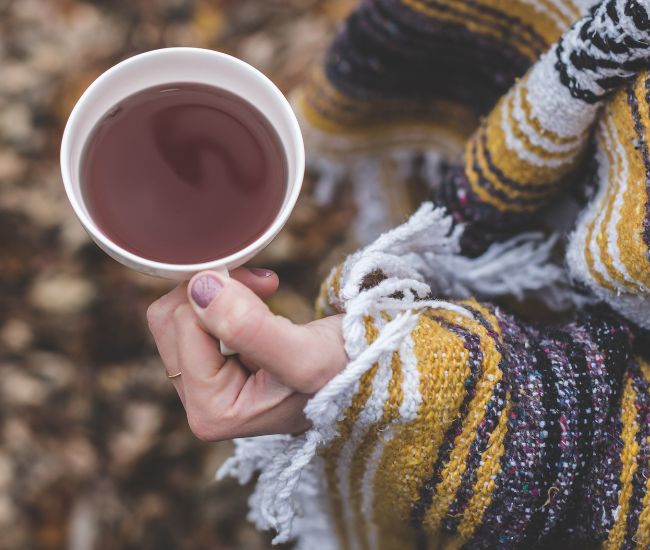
[[455, 424]]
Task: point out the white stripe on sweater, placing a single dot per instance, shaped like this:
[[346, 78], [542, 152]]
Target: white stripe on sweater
[[551, 102], [520, 149], [535, 137]]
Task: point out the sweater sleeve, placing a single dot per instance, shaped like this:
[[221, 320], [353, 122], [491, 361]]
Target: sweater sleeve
[[480, 431], [532, 145]]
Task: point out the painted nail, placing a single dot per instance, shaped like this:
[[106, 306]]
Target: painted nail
[[204, 289], [260, 272]]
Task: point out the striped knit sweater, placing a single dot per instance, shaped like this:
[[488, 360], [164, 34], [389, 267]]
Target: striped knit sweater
[[455, 424], [483, 431]]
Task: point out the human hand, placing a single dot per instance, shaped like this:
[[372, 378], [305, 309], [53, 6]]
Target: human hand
[[279, 365]]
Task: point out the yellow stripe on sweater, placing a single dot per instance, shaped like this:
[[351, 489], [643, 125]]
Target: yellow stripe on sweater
[[633, 249], [479, 190], [508, 161], [628, 466], [407, 458], [438, 116], [620, 124], [532, 191], [589, 257], [452, 473], [542, 182], [540, 21], [486, 476], [613, 190], [486, 23]]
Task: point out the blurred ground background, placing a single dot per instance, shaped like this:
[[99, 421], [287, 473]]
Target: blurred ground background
[[94, 448]]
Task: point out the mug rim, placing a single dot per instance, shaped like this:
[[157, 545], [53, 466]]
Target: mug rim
[[232, 260]]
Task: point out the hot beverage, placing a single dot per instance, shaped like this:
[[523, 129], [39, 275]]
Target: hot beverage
[[183, 173]]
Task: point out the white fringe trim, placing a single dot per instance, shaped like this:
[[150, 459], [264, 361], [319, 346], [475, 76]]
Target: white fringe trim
[[427, 248]]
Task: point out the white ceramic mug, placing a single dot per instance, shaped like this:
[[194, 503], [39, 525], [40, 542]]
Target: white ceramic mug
[[165, 66], [170, 65]]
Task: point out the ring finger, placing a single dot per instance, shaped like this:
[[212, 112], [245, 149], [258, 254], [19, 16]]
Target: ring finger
[[164, 334]]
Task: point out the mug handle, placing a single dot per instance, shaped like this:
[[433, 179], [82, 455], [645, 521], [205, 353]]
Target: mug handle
[[225, 350]]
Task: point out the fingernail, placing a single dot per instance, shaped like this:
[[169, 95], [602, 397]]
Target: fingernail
[[259, 272], [204, 289]]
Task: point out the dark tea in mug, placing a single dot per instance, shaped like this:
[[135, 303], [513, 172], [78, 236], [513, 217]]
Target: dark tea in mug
[[183, 173]]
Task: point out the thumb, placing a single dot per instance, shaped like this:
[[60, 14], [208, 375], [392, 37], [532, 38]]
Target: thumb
[[232, 313]]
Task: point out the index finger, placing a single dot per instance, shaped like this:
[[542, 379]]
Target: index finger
[[207, 375]]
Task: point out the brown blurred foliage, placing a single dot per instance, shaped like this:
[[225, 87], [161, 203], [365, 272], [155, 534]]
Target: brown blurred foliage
[[94, 448]]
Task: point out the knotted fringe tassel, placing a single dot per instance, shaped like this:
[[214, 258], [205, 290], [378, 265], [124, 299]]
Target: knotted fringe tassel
[[416, 258], [289, 496], [427, 248]]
